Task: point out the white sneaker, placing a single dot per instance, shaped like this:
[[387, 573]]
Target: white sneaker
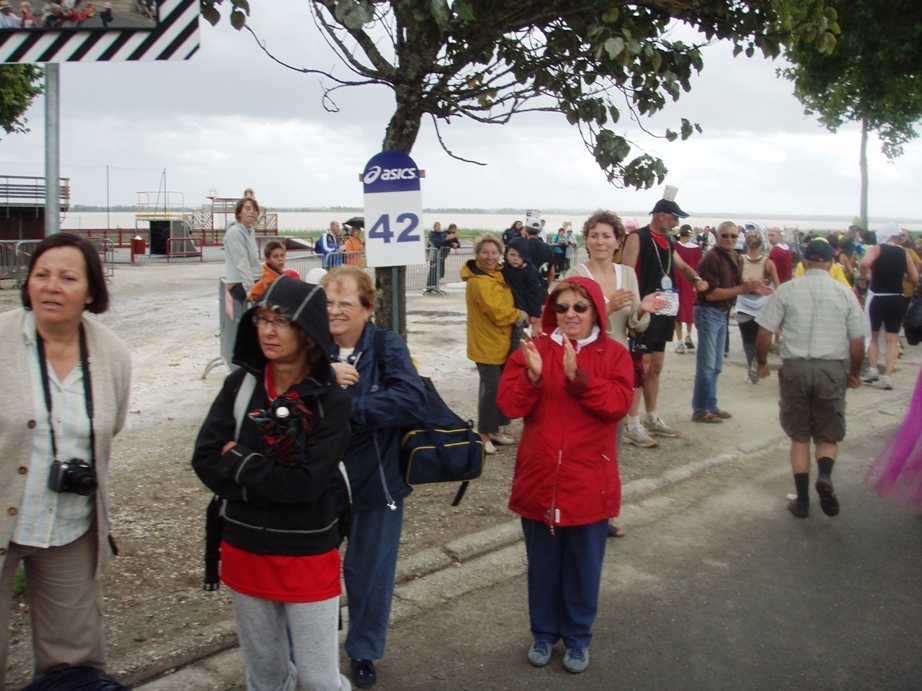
[[489, 449], [639, 437], [753, 376], [502, 439], [885, 382], [689, 344], [680, 348], [659, 427], [872, 375]]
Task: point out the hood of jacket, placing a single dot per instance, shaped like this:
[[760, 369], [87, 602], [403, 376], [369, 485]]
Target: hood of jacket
[[549, 316], [305, 304], [520, 245], [238, 224]]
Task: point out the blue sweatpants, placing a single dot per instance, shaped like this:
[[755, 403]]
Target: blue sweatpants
[[564, 571], [368, 570]]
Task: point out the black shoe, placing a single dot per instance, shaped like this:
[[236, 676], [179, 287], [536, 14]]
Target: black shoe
[[828, 502], [801, 509], [363, 673], [614, 531]]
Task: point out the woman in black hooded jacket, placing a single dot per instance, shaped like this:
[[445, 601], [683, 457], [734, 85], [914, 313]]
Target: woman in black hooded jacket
[[279, 547]]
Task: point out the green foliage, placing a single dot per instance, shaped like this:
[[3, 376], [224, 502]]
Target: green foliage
[[19, 85], [874, 74], [591, 60], [240, 10], [19, 583]]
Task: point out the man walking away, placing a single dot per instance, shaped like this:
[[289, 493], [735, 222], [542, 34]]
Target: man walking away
[[886, 264], [824, 331]]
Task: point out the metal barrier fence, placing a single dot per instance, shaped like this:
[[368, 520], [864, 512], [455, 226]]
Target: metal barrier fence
[[426, 277], [229, 313], [15, 256], [440, 267], [420, 277]]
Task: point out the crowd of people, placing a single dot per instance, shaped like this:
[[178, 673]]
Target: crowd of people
[[64, 14], [301, 445]]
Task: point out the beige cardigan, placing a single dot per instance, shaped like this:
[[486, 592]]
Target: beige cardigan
[[110, 368], [626, 318]]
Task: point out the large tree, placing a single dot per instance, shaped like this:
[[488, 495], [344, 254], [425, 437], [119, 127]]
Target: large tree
[[19, 85], [874, 77], [591, 60]]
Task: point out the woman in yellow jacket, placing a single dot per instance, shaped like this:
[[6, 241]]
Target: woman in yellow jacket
[[491, 314]]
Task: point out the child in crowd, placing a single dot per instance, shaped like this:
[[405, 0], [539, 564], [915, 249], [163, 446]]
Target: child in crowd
[[527, 286], [272, 269]]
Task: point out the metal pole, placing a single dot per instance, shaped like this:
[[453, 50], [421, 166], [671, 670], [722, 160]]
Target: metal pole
[[108, 225], [52, 152]]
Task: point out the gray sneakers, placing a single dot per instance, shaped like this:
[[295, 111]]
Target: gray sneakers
[[576, 660], [658, 427], [639, 437], [885, 382], [540, 653]]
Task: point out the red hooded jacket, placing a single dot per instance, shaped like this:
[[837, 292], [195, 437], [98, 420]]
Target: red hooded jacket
[[566, 469]]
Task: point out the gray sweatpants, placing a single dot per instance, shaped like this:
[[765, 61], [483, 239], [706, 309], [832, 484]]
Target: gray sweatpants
[[265, 645]]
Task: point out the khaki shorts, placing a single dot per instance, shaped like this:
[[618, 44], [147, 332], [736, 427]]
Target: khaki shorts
[[813, 400]]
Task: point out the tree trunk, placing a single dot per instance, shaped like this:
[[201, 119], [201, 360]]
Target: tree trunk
[[391, 307], [863, 164]]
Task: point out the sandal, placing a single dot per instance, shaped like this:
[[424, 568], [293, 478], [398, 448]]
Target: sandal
[[722, 414], [614, 531], [706, 416]]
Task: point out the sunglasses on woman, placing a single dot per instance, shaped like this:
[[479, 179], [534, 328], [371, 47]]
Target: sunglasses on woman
[[563, 308]]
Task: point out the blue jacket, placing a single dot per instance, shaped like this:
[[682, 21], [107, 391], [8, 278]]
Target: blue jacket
[[388, 396]]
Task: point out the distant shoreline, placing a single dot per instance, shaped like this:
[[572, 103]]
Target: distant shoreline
[[336, 210]]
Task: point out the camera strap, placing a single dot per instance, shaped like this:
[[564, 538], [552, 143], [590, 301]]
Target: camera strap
[[87, 389]]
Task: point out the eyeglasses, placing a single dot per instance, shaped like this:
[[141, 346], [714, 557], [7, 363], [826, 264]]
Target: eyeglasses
[[563, 308], [343, 306], [280, 324], [729, 235]]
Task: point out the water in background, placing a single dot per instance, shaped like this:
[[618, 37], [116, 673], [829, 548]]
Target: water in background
[[297, 220]]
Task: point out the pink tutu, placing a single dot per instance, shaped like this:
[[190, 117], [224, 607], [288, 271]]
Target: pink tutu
[[897, 472]]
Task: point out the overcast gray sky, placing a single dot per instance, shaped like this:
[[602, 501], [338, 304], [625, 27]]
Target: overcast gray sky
[[230, 118]]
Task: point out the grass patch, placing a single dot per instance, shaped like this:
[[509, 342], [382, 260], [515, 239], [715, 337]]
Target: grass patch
[[19, 584]]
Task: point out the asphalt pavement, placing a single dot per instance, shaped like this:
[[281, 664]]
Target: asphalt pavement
[[716, 586]]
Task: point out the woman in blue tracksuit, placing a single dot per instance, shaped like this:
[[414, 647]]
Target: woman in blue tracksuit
[[374, 366]]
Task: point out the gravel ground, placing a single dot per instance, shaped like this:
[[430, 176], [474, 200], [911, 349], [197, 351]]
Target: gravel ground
[[168, 316]]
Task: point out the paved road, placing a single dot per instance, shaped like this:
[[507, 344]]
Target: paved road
[[716, 586], [720, 589]]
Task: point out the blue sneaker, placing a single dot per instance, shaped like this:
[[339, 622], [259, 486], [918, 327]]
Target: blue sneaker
[[576, 660], [540, 653]]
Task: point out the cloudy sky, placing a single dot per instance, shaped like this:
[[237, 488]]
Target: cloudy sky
[[229, 118]]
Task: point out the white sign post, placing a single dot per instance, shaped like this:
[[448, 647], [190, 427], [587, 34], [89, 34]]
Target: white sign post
[[394, 234]]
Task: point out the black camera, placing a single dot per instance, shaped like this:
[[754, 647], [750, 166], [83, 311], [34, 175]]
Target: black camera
[[75, 475]]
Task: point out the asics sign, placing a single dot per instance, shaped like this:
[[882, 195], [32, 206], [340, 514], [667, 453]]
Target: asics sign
[[394, 233], [390, 171], [389, 174]]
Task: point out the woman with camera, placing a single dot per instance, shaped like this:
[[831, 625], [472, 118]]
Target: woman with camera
[[58, 418], [268, 449]]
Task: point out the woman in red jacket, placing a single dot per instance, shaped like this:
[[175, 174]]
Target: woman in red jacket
[[572, 385]]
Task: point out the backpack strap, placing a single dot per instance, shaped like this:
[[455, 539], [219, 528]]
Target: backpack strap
[[242, 401]]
